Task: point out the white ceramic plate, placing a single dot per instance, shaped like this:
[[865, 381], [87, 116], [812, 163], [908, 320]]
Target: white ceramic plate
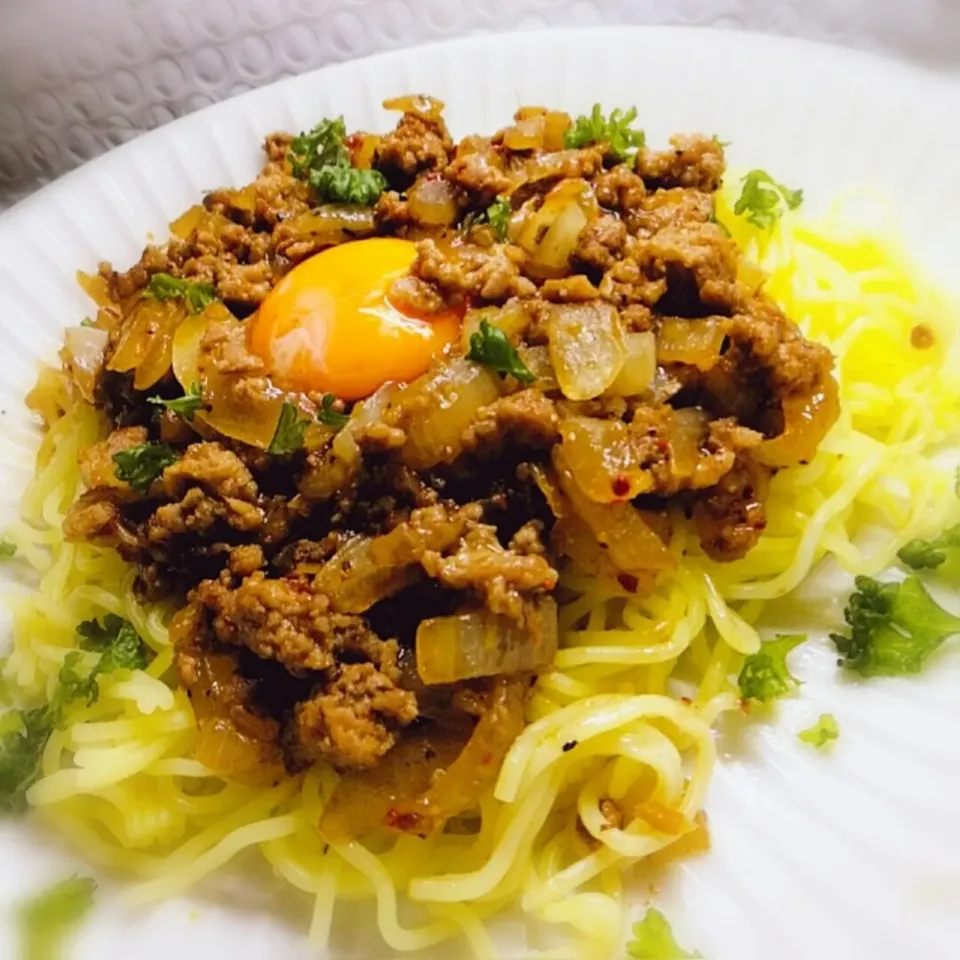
[[849, 856]]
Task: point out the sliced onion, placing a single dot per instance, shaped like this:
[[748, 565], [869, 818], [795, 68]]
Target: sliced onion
[[334, 223], [362, 799], [354, 582], [363, 150], [556, 124], [586, 347], [187, 222], [96, 288], [221, 747], [550, 233], [537, 361], [436, 408], [602, 459], [420, 105], [475, 770], [85, 347], [432, 202], [526, 134], [696, 342], [511, 318], [806, 420], [618, 527], [688, 427], [639, 365], [145, 343], [479, 643]]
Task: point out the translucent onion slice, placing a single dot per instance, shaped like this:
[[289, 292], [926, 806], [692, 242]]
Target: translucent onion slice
[[476, 768], [145, 342], [696, 342], [806, 421], [334, 223], [618, 527], [479, 643], [586, 347], [639, 365], [602, 459], [436, 408], [432, 202], [353, 580], [83, 349], [420, 105]]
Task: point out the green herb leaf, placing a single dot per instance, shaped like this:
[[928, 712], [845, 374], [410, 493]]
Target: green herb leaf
[[140, 466], [765, 675], [186, 406], [329, 416], [7, 549], [614, 130], [163, 286], [25, 734], [893, 628], [928, 554], [653, 940], [342, 184], [87, 322], [824, 731], [489, 345], [47, 919], [763, 201], [322, 146], [497, 215], [288, 436]]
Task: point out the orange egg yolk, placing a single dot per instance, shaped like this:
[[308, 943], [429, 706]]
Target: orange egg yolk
[[329, 325]]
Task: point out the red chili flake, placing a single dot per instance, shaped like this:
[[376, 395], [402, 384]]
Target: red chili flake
[[686, 700], [628, 581], [487, 758], [621, 486], [400, 820]]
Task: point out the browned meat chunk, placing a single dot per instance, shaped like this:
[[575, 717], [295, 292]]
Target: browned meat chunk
[[355, 720], [416, 145], [491, 274], [695, 161], [527, 418], [730, 517], [284, 620], [212, 467]]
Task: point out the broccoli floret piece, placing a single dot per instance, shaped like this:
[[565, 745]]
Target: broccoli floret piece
[[921, 554], [765, 675], [894, 628]]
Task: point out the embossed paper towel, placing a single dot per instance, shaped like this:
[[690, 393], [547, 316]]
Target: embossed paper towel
[[80, 76]]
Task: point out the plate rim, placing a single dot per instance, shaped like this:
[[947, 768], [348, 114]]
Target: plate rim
[[837, 53]]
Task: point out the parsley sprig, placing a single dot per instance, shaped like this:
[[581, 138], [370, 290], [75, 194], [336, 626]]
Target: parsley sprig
[[489, 345], [320, 157], [186, 406], [197, 296], [614, 130], [140, 466], [763, 201]]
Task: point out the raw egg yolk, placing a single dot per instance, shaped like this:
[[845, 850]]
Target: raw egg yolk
[[329, 324]]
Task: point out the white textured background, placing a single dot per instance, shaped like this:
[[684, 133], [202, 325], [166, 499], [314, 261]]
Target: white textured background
[[80, 76]]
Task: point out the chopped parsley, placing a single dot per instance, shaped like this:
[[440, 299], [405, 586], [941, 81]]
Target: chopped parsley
[[197, 296], [921, 554], [288, 436], [614, 130], [140, 466], [497, 215], [894, 628], [763, 201], [320, 147], [88, 322], [321, 157], [328, 416], [824, 731], [46, 920], [489, 345], [7, 549], [348, 185], [764, 675], [24, 733], [653, 940], [186, 406]]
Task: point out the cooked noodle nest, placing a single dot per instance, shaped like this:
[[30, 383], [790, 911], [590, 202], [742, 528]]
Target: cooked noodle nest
[[627, 709]]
